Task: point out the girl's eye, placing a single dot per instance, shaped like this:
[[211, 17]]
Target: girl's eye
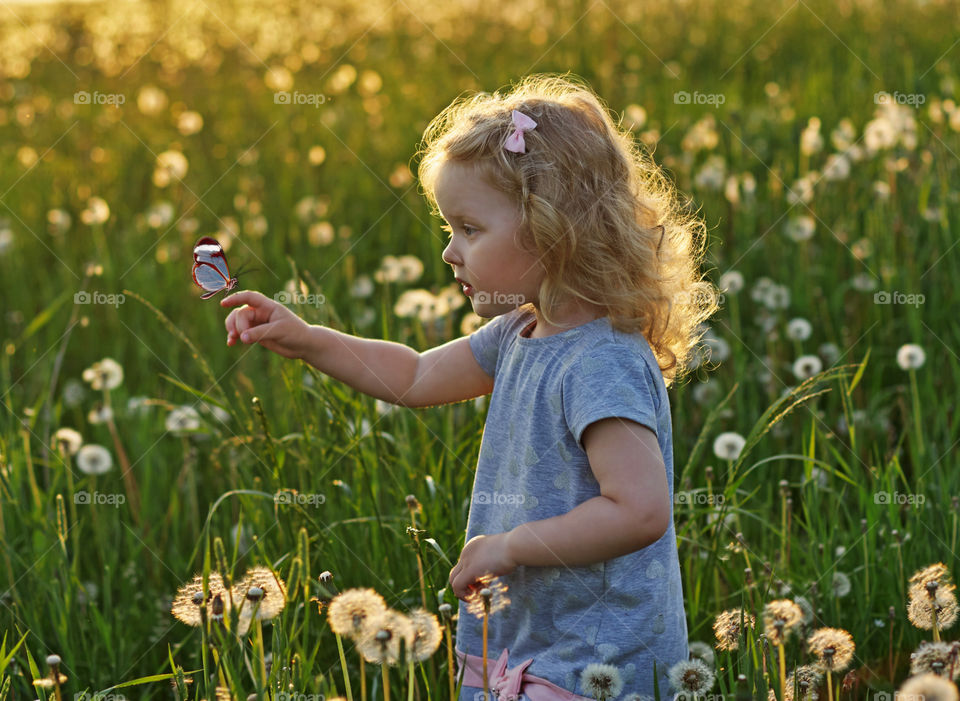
[[467, 230]]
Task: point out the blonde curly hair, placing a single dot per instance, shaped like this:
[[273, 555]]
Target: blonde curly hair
[[605, 222]]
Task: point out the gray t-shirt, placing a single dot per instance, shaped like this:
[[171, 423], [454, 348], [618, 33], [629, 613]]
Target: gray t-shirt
[[627, 611]]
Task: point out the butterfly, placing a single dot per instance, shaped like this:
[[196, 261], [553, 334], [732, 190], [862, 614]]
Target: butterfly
[[210, 270]]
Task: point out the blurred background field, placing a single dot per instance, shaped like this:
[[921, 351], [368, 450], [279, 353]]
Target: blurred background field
[[818, 140]]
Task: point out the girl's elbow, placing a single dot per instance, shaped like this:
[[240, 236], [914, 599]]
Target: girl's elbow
[[653, 527]]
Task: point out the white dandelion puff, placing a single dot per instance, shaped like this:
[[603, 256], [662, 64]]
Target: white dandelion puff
[[910, 356], [94, 459], [806, 366], [602, 681], [727, 445]]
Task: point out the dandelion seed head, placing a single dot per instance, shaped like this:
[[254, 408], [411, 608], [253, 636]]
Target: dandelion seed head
[[928, 687], [799, 329], [93, 459], [186, 604], [691, 677], [921, 607], [497, 599], [105, 374], [602, 681], [702, 651], [727, 445], [67, 440], [427, 634], [726, 628], [936, 572], [779, 618], [840, 584], [935, 658], [349, 610], [910, 356], [808, 676], [806, 366], [379, 641], [182, 419], [833, 647], [270, 597]]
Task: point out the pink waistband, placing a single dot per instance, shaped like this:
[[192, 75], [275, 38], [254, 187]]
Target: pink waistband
[[508, 684]]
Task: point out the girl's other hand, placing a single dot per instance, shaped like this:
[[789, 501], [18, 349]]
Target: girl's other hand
[[483, 554], [267, 322]]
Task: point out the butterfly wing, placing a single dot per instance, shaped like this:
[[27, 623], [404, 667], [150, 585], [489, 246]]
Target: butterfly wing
[[208, 251], [210, 270]]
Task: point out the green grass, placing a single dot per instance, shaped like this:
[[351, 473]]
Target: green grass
[[828, 61]]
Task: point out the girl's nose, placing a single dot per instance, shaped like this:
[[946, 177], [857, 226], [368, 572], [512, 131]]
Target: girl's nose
[[449, 256]]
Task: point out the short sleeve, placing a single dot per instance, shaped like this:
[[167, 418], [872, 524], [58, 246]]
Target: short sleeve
[[610, 381], [485, 342]]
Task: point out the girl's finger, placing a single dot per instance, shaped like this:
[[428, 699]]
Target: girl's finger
[[244, 297]]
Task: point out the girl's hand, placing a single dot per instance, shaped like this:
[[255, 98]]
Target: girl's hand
[[267, 322], [483, 554]]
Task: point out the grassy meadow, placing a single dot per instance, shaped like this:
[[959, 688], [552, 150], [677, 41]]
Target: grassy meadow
[[813, 442]]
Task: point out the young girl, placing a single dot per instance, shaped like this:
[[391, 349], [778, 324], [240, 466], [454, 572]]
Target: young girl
[[571, 240]]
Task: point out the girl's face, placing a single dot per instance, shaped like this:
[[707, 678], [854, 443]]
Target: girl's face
[[483, 223]]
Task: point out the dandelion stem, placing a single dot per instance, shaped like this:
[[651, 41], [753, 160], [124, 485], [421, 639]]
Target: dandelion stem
[[343, 667], [933, 613], [363, 681], [485, 617], [783, 672], [453, 684], [260, 653], [126, 471], [829, 686], [386, 682], [410, 680], [918, 423]]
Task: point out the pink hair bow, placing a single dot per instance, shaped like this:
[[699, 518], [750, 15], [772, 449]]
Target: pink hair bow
[[522, 123]]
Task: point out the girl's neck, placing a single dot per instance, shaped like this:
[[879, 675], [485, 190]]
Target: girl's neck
[[580, 315]]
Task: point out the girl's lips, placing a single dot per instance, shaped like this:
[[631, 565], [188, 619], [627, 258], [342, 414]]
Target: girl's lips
[[467, 290]]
